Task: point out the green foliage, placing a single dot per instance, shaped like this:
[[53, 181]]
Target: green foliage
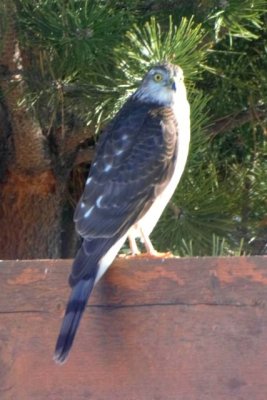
[[74, 34], [239, 20], [220, 205], [149, 45], [68, 41], [86, 57]]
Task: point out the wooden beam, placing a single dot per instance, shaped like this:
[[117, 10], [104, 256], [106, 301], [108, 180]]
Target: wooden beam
[[160, 329]]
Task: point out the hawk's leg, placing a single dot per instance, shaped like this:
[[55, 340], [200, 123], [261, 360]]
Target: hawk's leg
[[133, 245], [151, 251], [148, 244]]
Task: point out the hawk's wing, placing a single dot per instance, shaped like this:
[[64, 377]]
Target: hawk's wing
[[134, 161], [134, 157]]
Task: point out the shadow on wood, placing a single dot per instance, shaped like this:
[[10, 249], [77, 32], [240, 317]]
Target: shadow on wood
[[162, 329]]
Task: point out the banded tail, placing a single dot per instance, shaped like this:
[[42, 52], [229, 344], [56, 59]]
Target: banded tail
[[74, 311]]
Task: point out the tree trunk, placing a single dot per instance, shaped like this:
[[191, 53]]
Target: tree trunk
[[30, 215], [32, 177]]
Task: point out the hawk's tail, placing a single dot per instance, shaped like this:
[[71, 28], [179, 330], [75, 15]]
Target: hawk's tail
[[75, 308]]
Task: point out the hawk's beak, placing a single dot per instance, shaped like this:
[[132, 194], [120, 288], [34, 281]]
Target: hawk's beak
[[172, 84]]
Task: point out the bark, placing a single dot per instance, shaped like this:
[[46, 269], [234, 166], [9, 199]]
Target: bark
[[30, 215], [30, 191], [30, 145]]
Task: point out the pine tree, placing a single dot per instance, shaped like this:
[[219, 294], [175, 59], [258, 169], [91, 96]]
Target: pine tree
[[67, 66]]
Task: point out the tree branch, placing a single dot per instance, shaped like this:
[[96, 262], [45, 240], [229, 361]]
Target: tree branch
[[76, 138], [238, 119], [84, 156]]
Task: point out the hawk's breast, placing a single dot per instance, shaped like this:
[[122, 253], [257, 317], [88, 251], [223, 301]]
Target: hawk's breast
[[181, 115]]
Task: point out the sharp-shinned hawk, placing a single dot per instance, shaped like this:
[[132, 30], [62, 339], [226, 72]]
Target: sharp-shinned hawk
[[139, 160]]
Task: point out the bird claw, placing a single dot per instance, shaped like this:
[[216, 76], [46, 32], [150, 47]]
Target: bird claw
[[156, 254]]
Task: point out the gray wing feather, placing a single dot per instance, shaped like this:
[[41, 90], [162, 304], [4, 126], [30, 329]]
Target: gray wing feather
[[135, 155]]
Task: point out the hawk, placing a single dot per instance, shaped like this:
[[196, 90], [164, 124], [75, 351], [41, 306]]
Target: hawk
[[139, 160]]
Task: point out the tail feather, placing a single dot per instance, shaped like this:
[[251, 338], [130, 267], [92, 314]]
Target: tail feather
[[74, 311]]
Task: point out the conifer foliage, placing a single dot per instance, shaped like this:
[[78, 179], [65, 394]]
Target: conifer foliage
[[67, 66]]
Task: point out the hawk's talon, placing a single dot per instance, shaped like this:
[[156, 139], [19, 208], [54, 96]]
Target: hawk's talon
[[158, 254]]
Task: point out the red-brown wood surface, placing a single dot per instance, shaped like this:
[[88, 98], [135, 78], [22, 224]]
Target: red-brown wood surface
[[162, 329]]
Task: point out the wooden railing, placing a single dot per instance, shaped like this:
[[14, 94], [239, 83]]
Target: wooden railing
[[155, 329]]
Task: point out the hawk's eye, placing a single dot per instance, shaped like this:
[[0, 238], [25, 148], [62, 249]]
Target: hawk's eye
[[158, 77]]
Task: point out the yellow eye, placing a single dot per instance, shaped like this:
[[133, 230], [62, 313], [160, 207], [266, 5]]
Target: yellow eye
[[158, 77]]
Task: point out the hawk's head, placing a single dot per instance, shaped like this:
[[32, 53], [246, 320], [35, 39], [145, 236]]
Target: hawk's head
[[162, 84]]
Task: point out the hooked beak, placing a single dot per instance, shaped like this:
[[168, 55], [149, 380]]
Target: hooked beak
[[172, 84]]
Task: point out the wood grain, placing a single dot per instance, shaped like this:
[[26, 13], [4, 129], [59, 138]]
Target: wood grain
[[155, 329]]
